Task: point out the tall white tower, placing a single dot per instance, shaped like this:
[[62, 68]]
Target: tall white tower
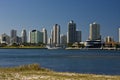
[[44, 36], [29, 37], [94, 32], [24, 36], [56, 35]]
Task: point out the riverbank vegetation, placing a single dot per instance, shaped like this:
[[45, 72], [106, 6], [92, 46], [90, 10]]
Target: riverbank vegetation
[[35, 72], [23, 46]]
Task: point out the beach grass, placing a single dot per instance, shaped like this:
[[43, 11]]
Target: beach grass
[[35, 72]]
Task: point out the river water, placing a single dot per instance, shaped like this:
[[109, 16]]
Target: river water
[[78, 61]]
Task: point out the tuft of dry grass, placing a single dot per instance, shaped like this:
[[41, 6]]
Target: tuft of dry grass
[[29, 67]]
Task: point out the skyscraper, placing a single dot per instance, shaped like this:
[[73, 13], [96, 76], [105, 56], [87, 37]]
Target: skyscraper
[[78, 36], [56, 35], [63, 39], [36, 37], [51, 37], [29, 36], [24, 36], [94, 32], [119, 35], [71, 34], [44, 36], [13, 38]]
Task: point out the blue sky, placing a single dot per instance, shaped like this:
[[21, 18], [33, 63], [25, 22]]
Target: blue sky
[[36, 14]]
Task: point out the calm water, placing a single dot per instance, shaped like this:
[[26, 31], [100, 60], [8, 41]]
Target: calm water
[[79, 61]]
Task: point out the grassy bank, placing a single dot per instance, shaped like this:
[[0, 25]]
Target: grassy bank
[[35, 72]]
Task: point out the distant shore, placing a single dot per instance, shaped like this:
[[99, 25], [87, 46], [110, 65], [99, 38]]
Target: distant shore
[[67, 48], [24, 47], [70, 48], [35, 72]]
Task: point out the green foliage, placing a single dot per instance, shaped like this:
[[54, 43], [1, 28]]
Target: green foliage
[[3, 44], [15, 45], [117, 46], [69, 44]]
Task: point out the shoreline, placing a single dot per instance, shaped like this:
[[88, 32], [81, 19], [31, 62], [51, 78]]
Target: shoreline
[[35, 72], [27, 47], [68, 48]]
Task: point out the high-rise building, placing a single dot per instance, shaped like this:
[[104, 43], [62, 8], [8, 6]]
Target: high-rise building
[[29, 36], [50, 41], [4, 39], [56, 35], [51, 38], [44, 36], [13, 38], [36, 37], [63, 39], [24, 36], [119, 35], [78, 36], [71, 34], [19, 40], [94, 32]]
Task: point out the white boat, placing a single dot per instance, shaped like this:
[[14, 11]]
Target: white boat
[[49, 47]]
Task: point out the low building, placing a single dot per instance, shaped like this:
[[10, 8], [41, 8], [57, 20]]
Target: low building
[[4, 39], [93, 44], [109, 42]]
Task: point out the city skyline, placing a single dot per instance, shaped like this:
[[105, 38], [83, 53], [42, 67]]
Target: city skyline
[[57, 39], [94, 33], [37, 14]]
